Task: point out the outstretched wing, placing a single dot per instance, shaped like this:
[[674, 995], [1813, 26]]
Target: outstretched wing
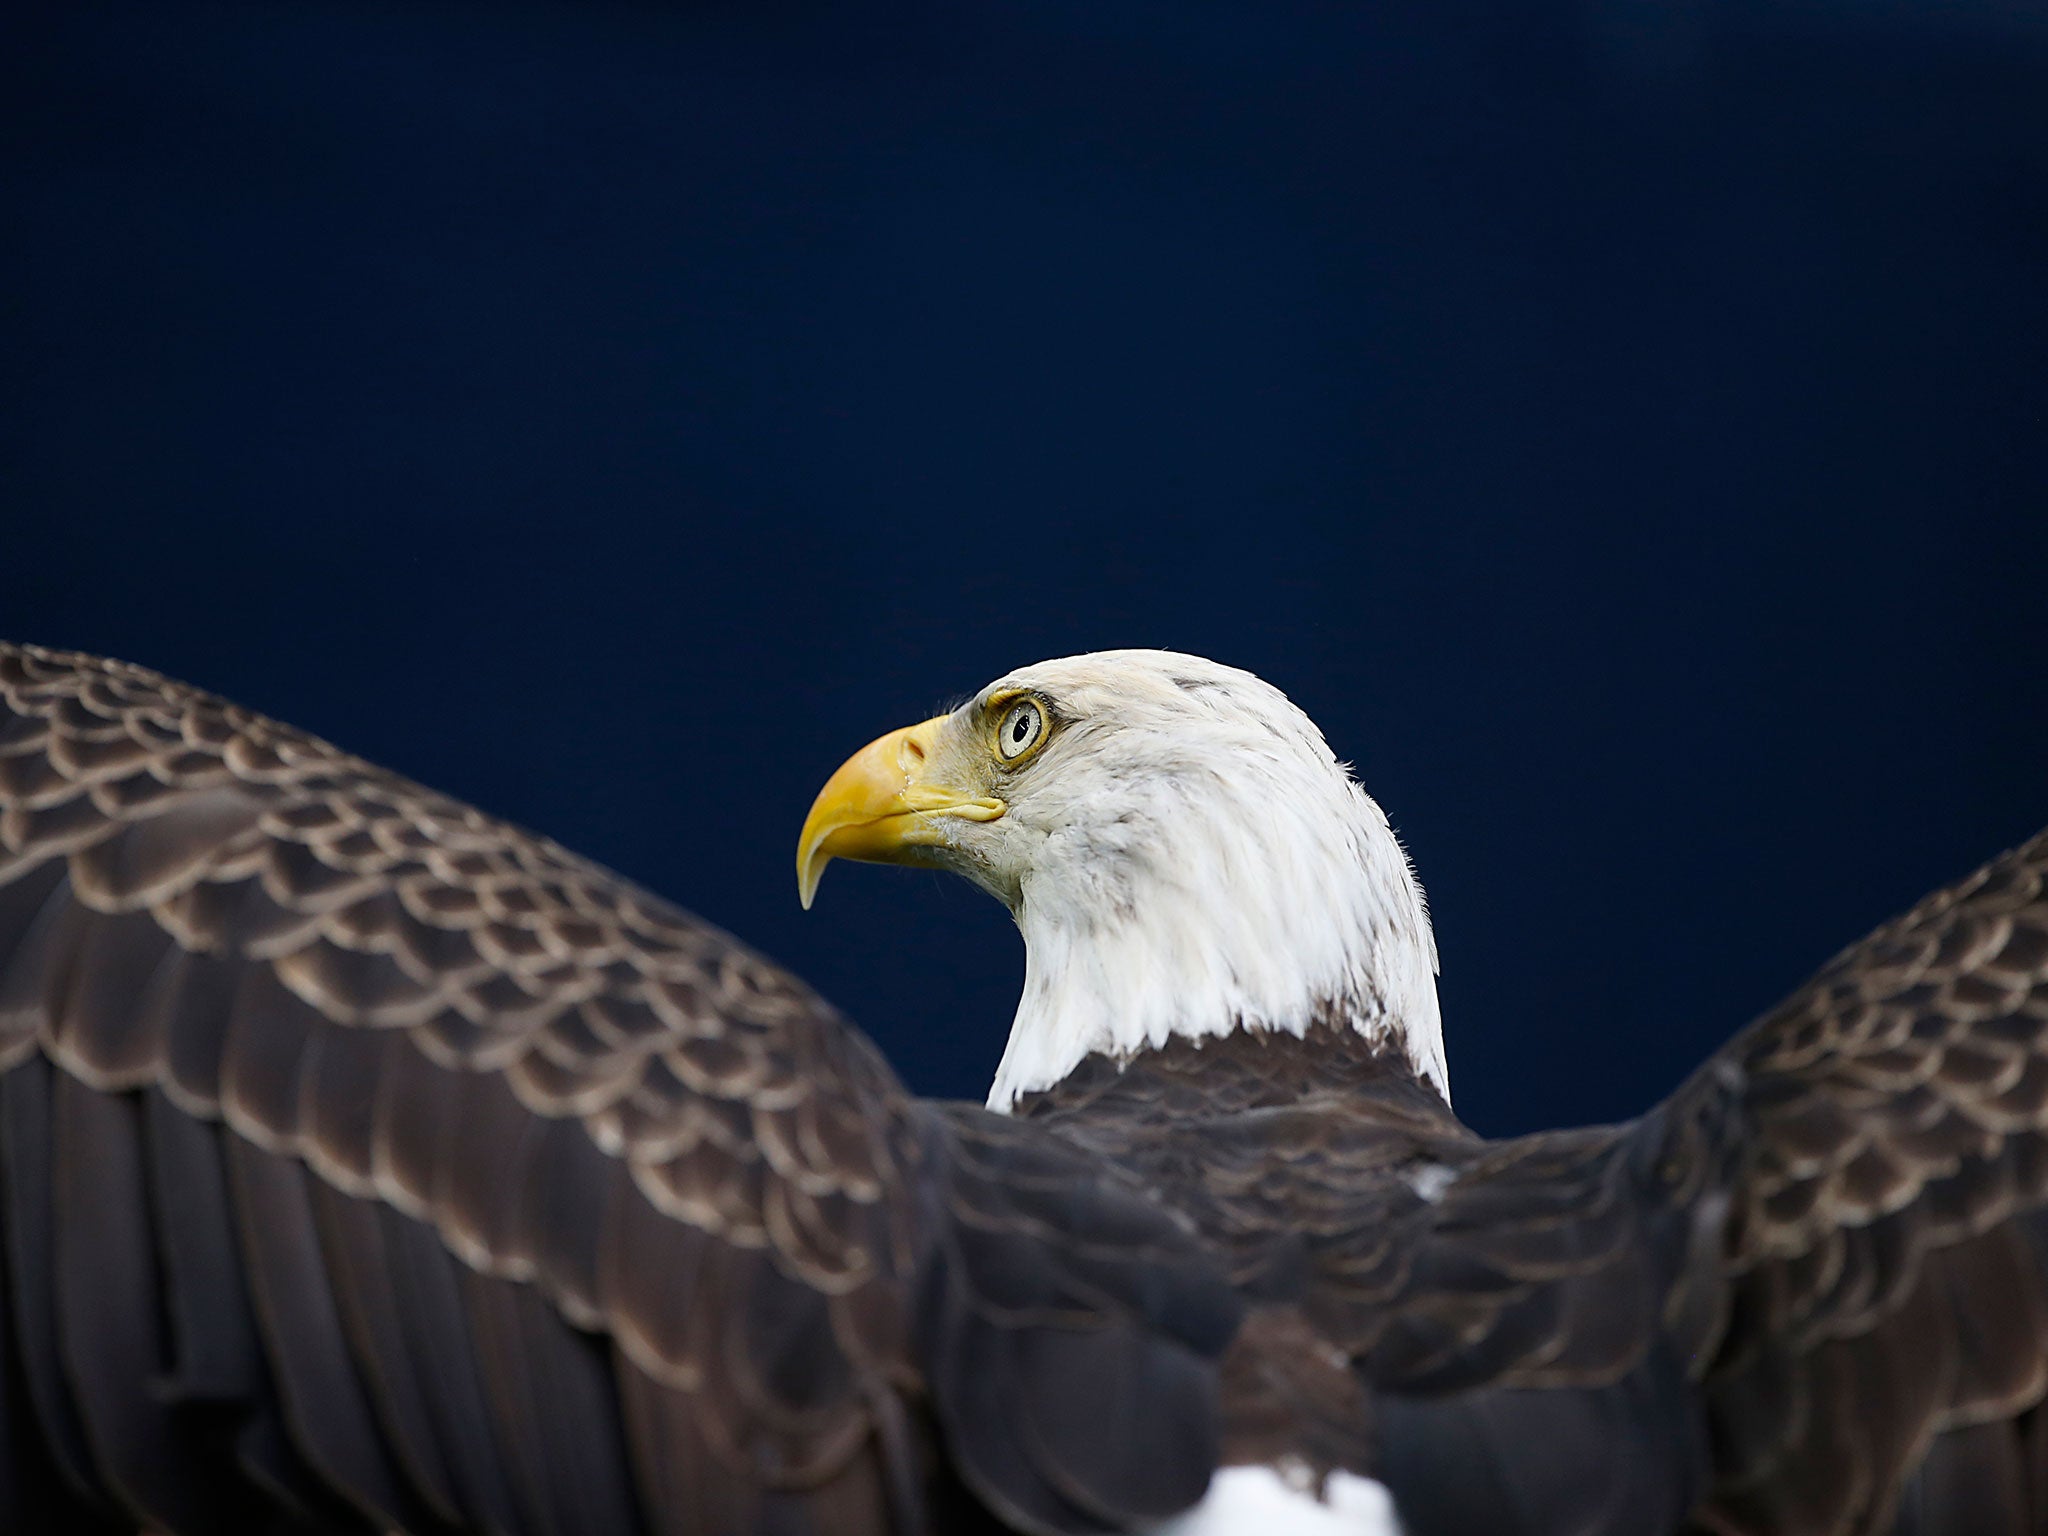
[[369, 1164], [1878, 1348], [1806, 1295]]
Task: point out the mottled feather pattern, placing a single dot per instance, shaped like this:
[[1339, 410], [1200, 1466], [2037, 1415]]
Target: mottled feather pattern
[[737, 1100], [487, 1132], [1881, 1145]]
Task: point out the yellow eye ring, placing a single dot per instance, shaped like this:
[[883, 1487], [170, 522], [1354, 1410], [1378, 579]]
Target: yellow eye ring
[[1020, 729]]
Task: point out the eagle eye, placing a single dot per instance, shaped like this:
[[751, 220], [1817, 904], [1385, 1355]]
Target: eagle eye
[[1020, 730]]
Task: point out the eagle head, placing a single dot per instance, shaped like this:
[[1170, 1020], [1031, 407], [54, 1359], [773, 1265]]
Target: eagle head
[[1181, 849]]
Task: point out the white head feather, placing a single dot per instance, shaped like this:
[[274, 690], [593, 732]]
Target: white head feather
[[1185, 856]]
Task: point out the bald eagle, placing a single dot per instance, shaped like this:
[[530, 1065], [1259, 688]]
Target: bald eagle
[[370, 1165]]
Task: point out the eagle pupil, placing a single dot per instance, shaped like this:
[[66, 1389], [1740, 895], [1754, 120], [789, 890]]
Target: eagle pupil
[[1023, 725]]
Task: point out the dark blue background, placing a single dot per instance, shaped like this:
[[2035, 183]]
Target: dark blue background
[[1623, 424]]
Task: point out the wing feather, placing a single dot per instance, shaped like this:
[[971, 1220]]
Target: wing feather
[[327, 1405], [31, 1227], [215, 1355], [395, 1365]]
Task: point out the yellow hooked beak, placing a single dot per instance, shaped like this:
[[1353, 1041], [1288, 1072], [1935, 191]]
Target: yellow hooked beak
[[884, 804]]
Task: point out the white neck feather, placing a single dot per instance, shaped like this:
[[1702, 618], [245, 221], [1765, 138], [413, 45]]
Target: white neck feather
[[1258, 887]]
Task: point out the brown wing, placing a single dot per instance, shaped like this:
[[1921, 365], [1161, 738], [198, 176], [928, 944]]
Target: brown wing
[[367, 1163], [1808, 1294], [1877, 1348]]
